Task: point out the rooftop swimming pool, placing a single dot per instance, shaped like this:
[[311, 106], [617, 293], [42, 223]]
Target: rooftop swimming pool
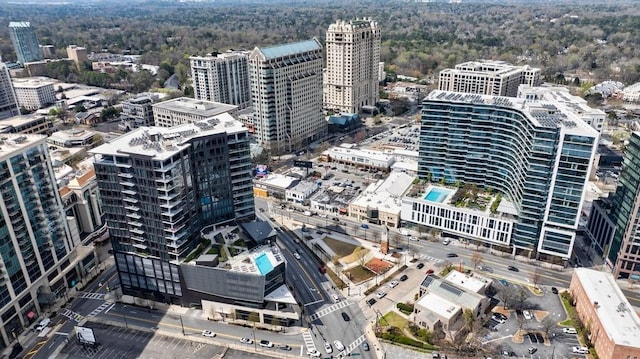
[[263, 263], [437, 195]]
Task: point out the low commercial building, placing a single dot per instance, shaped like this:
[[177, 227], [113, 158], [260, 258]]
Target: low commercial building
[[612, 325], [370, 159], [301, 191], [335, 199], [33, 94], [344, 122], [28, 124], [381, 202], [273, 185], [73, 138], [184, 110]]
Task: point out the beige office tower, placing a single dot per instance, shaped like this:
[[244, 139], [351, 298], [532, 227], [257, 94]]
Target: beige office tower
[[77, 54], [353, 58]]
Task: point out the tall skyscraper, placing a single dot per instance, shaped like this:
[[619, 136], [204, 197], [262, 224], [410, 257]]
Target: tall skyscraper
[[625, 214], [8, 101], [488, 78], [353, 60], [25, 42], [35, 241], [222, 78], [286, 92], [537, 154], [160, 186]]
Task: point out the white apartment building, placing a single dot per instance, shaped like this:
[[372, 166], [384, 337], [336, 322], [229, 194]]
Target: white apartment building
[[8, 102], [488, 78], [561, 96], [34, 94], [286, 93], [353, 65], [359, 157], [222, 78], [183, 110]]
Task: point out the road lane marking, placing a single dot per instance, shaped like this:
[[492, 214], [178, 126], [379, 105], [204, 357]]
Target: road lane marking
[[321, 313]]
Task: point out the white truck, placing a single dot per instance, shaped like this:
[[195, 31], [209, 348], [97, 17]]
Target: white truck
[[307, 213]]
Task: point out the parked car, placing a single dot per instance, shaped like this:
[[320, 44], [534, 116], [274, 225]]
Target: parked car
[[452, 255], [43, 324], [266, 344], [338, 344], [527, 315], [532, 350], [328, 348], [246, 341], [554, 290], [404, 277], [503, 282], [345, 316], [371, 301], [381, 294], [365, 346], [532, 337], [393, 283], [314, 353], [335, 298], [430, 271], [513, 269], [208, 333], [580, 350], [420, 265], [569, 330], [284, 347], [446, 241]]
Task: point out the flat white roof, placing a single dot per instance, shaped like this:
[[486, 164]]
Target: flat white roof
[[281, 295], [30, 83], [14, 143], [72, 134], [615, 312], [361, 153], [277, 180], [386, 195], [462, 280], [438, 305], [195, 107], [248, 262]]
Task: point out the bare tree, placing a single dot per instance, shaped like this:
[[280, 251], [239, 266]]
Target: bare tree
[[506, 296], [476, 259], [361, 255], [547, 324], [520, 299], [535, 277]]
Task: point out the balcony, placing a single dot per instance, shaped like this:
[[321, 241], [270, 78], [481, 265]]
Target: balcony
[[132, 208], [138, 239], [125, 175], [133, 215], [136, 224], [168, 196], [130, 200], [136, 231], [127, 184], [129, 192], [140, 246]]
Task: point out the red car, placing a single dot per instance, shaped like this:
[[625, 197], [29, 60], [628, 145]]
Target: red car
[[430, 272]]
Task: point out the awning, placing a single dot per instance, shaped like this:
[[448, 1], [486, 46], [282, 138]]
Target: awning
[[31, 315]]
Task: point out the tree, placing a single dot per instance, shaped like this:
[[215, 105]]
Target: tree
[[547, 324], [535, 277], [476, 259], [520, 299], [506, 295], [361, 255]]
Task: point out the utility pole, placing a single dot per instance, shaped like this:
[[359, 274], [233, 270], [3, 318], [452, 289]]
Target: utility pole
[[182, 325]]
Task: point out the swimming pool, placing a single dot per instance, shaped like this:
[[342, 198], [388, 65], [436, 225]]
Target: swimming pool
[[437, 195], [263, 263]]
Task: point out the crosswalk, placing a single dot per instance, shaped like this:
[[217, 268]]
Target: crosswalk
[[99, 309], [430, 258], [89, 295], [355, 344], [308, 340], [328, 310], [72, 315]]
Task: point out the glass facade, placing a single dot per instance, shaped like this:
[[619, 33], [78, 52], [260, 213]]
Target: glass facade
[[531, 156]]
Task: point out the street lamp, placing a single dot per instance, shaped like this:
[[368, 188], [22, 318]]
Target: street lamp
[[182, 326], [124, 317]]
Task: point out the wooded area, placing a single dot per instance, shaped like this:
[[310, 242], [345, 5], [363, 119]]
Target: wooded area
[[596, 41]]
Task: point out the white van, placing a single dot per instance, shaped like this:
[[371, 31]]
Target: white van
[[569, 330], [43, 324]]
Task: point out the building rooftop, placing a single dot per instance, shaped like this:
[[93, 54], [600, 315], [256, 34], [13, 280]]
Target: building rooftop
[[439, 305], [465, 281], [386, 195], [616, 314], [19, 24], [13, 142], [362, 153], [293, 48], [260, 261], [277, 180], [451, 292], [193, 106], [161, 143], [542, 113], [71, 135], [31, 83]]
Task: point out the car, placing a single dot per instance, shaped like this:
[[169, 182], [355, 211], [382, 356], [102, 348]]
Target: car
[[246, 341], [345, 316], [420, 265], [506, 353], [539, 337], [503, 282], [532, 350], [430, 271], [446, 241], [580, 350], [296, 255], [554, 290], [393, 283], [413, 239], [314, 353], [365, 346], [499, 319], [485, 269], [404, 277], [532, 337], [266, 344], [527, 315], [452, 255], [335, 298], [338, 344], [569, 330], [43, 324], [328, 348], [284, 347], [435, 355], [381, 294], [262, 210], [208, 333], [513, 269], [371, 301]]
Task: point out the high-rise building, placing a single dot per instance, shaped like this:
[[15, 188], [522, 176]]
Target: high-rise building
[[536, 154], [8, 102], [624, 212], [34, 94], [183, 110], [77, 54], [353, 61], [488, 78], [286, 92], [36, 247], [222, 78], [25, 42], [160, 186]]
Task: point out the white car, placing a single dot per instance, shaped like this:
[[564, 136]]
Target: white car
[[246, 341], [580, 350], [569, 330], [296, 255], [328, 348], [393, 284], [266, 344], [208, 333], [527, 315], [381, 294], [446, 241], [335, 298], [313, 353], [413, 239], [43, 324], [338, 345]]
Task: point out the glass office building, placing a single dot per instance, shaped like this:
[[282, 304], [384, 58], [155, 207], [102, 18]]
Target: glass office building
[[536, 153], [160, 186]]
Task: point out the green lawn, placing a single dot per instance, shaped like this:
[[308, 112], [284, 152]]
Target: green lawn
[[340, 248], [393, 319], [359, 274]]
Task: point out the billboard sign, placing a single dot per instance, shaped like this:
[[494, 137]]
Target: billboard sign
[[262, 170], [85, 335], [303, 164]]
